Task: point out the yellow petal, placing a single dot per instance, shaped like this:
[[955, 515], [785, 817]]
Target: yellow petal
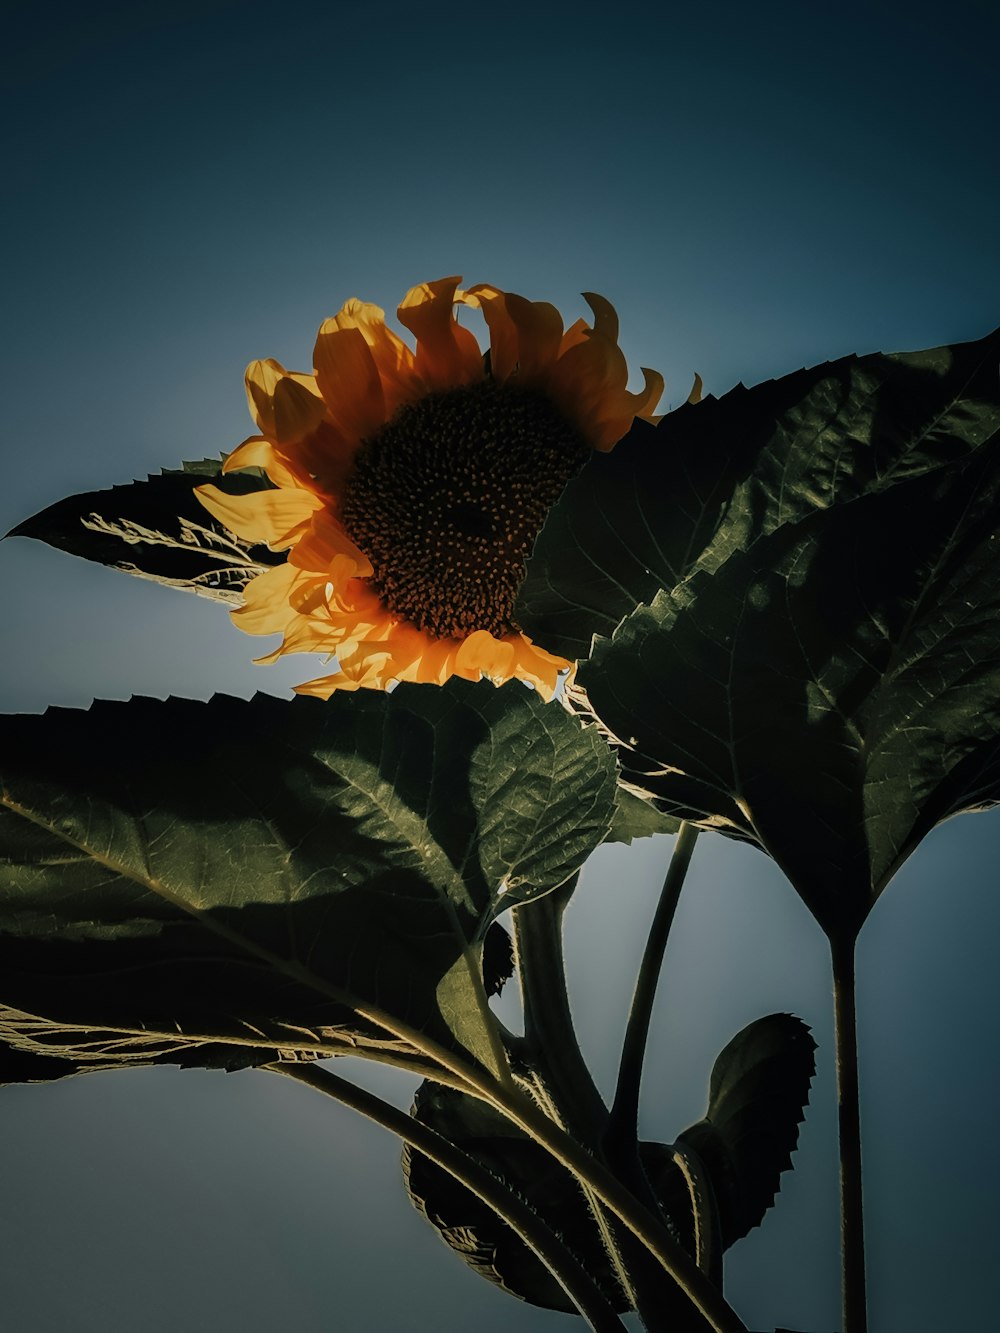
[[259, 452], [483, 655], [393, 359], [447, 354], [695, 395], [349, 381], [276, 518], [286, 406], [266, 605], [324, 544]]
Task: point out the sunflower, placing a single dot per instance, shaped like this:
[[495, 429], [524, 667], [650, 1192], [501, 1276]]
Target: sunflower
[[409, 486]]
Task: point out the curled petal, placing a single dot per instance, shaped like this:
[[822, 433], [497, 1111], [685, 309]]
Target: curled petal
[[261, 453], [395, 363], [447, 354]]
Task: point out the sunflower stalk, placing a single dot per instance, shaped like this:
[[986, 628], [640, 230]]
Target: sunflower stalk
[[560, 1080], [591, 1303], [852, 1230], [550, 1041]]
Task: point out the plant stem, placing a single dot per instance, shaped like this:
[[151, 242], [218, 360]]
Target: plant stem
[[623, 1129], [549, 1034], [704, 1297], [852, 1232], [565, 1268]]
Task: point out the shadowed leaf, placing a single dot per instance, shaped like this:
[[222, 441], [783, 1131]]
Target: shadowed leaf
[[158, 530], [830, 694], [214, 883], [713, 477], [484, 1242], [757, 1097]]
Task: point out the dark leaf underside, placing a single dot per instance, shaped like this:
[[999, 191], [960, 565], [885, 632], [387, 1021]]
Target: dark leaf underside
[[214, 883]]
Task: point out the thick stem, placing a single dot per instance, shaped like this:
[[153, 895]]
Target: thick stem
[[852, 1231], [623, 1129], [549, 1035], [565, 1268]]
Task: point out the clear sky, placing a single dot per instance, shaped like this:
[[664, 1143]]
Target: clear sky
[[756, 188]]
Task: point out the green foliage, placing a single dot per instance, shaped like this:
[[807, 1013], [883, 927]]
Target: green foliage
[[713, 477], [217, 883], [756, 1101], [158, 530], [824, 682]]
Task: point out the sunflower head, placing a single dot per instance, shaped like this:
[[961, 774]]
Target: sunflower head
[[409, 485]]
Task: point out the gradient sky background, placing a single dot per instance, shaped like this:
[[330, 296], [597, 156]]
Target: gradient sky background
[[756, 188]]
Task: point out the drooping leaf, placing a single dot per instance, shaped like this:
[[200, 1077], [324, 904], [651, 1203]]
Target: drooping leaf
[[713, 477], [757, 1098], [212, 883], [830, 694], [158, 530], [484, 1242]]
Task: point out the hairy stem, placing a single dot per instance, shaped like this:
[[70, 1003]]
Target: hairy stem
[[852, 1227], [564, 1266]]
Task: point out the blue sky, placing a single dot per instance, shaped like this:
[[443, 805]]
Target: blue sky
[[755, 188]]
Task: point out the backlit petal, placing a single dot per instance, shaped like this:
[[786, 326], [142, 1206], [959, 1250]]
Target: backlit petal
[[394, 361], [447, 353], [349, 382], [276, 517]]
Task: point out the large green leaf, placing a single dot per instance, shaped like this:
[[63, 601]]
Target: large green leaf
[[831, 693], [247, 878], [715, 476], [158, 530]]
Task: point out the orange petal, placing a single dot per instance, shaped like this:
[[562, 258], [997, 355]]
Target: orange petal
[[267, 605], [503, 330], [260, 452], [274, 517], [539, 335], [349, 381], [483, 655], [393, 359], [644, 403], [286, 406], [537, 667], [447, 354], [324, 544]]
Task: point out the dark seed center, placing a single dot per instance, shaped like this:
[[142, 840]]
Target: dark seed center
[[447, 498]]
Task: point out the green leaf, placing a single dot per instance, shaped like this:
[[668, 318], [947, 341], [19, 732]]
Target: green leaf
[[830, 694], [246, 878], [484, 1242], [158, 530], [715, 476], [637, 817], [757, 1098]]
